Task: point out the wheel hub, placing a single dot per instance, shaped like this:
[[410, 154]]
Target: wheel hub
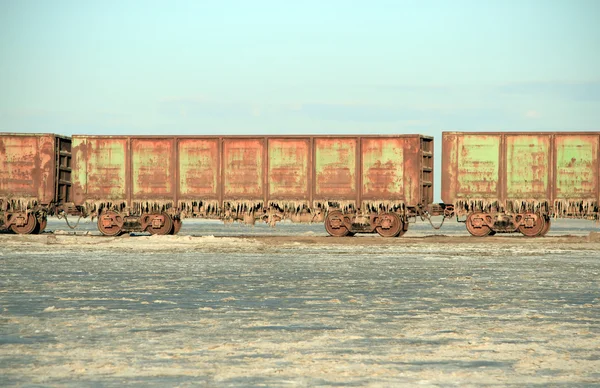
[[386, 223], [158, 222], [20, 220]]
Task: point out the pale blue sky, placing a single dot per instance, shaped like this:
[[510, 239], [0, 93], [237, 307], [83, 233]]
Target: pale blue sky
[[263, 67], [305, 67]]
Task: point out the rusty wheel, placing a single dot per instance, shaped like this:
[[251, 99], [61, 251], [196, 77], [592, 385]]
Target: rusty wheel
[[390, 225], [160, 224], [176, 226], [110, 223], [403, 230], [334, 224], [24, 223], [533, 225], [546, 227], [476, 225], [41, 226]]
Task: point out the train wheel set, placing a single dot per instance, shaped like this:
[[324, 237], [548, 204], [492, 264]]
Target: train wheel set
[[389, 224], [25, 222], [481, 224], [114, 223]]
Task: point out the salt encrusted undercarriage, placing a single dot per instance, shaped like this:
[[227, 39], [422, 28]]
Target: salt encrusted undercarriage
[[341, 218], [24, 215], [532, 218], [388, 218]]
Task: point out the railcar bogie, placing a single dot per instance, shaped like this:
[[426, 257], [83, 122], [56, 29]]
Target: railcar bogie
[[342, 224], [481, 224], [115, 223]]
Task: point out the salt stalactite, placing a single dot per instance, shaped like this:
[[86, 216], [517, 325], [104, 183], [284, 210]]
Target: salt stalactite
[[19, 204], [463, 207], [528, 205], [142, 207], [289, 207], [563, 208], [296, 211], [241, 210], [200, 208], [383, 207], [94, 208], [343, 206], [585, 209]]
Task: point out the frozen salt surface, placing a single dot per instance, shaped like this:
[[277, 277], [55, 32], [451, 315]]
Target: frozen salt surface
[[289, 306]]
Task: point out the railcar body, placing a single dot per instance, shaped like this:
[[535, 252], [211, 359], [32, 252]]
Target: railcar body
[[35, 178], [518, 182], [352, 183]]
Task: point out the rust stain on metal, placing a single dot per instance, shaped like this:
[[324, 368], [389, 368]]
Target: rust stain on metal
[[243, 168], [449, 162], [100, 168], [288, 168], [335, 167], [383, 168], [27, 167], [198, 168], [417, 171], [478, 166], [527, 166], [152, 168], [576, 166]]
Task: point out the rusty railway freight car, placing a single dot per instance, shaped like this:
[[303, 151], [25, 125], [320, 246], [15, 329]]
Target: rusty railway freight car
[[518, 182], [353, 183], [35, 178]]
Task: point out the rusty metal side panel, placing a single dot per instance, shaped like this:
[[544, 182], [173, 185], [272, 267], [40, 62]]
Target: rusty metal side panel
[[478, 166], [243, 167], [576, 167], [79, 172], [449, 167], [528, 167], [413, 172], [99, 169], [152, 168], [47, 168], [288, 168], [383, 168], [335, 168], [27, 167], [198, 168]]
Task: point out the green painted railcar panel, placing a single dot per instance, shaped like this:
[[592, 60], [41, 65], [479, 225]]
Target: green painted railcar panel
[[101, 172], [577, 166], [335, 168], [288, 168], [243, 169], [383, 168], [527, 166], [152, 161], [478, 166], [198, 168]]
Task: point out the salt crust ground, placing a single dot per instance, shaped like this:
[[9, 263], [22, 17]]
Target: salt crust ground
[[300, 310]]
